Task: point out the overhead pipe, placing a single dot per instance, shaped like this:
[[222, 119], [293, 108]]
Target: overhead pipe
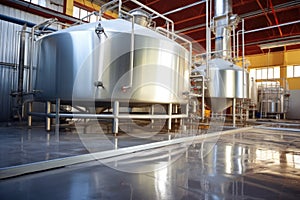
[[244, 16], [182, 8]]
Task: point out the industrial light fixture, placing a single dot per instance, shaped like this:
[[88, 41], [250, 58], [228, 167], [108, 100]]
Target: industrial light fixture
[[279, 44]]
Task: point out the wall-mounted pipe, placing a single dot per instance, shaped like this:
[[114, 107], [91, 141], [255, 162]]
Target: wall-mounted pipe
[[22, 22], [39, 10], [21, 63]]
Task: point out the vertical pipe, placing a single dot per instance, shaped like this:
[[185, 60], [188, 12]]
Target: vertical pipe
[[202, 100], [116, 117], [233, 112], [120, 8], [152, 113], [29, 115], [170, 117], [21, 65], [207, 39], [31, 60], [57, 108], [233, 35], [48, 119]]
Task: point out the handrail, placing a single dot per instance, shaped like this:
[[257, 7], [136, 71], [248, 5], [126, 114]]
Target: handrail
[[125, 87], [46, 23], [105, 7], [181, 38]]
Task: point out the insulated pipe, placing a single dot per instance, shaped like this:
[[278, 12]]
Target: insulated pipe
[[22, 22], [223, 11]]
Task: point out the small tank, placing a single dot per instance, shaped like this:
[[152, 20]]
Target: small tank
[[226, 81]]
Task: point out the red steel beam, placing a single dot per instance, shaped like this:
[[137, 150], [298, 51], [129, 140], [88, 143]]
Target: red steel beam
[[275, 16]]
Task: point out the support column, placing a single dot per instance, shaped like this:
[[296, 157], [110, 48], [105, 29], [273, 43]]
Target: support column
[[170, 117], [48, 119], [29, 115], [116, 117], [233, 112], [57, 107]]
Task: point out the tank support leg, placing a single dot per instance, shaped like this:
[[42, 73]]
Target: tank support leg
[[116, 117], [233, 112], [29, 115], [48, 120], [57, 107], [170, 117]]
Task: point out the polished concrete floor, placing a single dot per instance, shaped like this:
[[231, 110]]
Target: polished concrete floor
[[252, 164]]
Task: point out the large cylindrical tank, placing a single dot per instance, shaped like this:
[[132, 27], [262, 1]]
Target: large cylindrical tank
[[77, 63], [226, 81]]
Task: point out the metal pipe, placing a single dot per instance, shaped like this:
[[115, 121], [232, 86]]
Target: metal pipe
[[207, 41], [125, 87], [48, 119], [29, 116], [233, 112], [270, 27], [243, 57], [182, 8], [170, 117], [277, 129], [42, 11], [222, 29], [37, 26], [181, 38], [21, 22], [107, 116], [57, 116], [21, 66], [104, 7], [202, 99], [156, 13], [116, 117]]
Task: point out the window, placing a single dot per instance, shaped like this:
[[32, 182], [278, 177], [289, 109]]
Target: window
[[293, 71], [84, 14], [265, 73]]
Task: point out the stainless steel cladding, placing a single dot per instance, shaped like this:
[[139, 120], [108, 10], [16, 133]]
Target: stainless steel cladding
[[141, 17], [76, 63], [224, 22], [227, 81]]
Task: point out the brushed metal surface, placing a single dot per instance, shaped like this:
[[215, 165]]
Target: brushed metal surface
[[70, 62], [271, 100], [227, 81]]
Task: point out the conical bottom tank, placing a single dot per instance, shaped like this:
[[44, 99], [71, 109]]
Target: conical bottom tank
[[226, 81]]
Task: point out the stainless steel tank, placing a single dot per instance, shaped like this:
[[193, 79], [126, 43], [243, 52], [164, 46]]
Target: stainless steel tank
[[271, 99], [77, 63], [227, 81]]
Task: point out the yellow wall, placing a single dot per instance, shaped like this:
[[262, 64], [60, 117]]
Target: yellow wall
[[69, 7], [281, 59]]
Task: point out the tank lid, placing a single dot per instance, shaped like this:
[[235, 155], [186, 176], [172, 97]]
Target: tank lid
[[141, 17]]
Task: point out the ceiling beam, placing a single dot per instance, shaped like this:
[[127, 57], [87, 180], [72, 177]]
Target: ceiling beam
[[275, 16]]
